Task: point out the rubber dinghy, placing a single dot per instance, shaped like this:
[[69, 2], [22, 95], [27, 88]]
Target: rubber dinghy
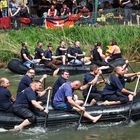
[[110, 114], [16, 66]]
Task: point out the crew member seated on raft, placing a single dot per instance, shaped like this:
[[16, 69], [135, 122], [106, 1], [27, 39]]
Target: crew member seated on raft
[[25, 100], [6, 98], [27, 79], [98, 57], [50, 60], [64, 100], [128, 77], [114, 52], [26, 58], [92, 78], [39, 52], [61, 51], [75, 54], [114, 91], [59, 82]]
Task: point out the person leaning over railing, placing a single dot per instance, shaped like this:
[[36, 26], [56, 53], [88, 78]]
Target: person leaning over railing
[[4, 8], [52, 12], [14, 10], [24, 11], [65, 11]]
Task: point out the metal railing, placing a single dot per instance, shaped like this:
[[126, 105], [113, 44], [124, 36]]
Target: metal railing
[[117, 16]]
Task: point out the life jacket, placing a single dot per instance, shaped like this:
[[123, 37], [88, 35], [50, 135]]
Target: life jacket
[[96, 55]]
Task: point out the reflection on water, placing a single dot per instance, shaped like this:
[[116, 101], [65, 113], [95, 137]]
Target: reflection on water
[[116, 131]]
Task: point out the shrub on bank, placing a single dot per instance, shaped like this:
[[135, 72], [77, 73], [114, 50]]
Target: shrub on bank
[[128, 39]]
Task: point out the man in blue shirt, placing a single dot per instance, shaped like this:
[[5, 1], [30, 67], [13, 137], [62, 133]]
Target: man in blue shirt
[[24, 102], [64, 100], [27, 80], [6, 99], [39, 53], [25, 55], [75, 54], [61, 51], [59, 82], [50, 60], [114, 91], [92, 78]]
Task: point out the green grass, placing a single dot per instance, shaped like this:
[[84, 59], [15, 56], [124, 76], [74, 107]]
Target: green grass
[[128, 39]]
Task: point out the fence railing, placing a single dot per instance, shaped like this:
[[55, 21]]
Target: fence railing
[[117, 16]]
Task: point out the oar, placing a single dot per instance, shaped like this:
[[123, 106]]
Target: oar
[[103, 78], [79, 122], [44, 83], [131, 68], [135, 91], [47, 107]]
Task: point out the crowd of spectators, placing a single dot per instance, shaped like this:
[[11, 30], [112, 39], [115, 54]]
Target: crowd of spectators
[[57, 8], [53, 8]]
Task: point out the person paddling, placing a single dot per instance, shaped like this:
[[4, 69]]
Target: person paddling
[[27, 79], [64, 100], [92, 78], [59, 82], [24, 101], [114, 91]]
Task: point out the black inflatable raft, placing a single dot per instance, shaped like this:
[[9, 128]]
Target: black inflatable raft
[[55, 118], [16, 66]]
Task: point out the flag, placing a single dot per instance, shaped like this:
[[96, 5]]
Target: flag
[[5, 22], [59, 22], [26, 21]]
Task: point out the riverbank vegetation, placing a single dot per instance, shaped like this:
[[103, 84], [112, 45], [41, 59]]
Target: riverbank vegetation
[[128, 39]]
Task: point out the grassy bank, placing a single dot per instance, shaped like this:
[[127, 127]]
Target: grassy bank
[[128, 39]]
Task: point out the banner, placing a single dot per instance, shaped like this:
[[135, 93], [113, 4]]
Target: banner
[[58, 22], [5, 22]]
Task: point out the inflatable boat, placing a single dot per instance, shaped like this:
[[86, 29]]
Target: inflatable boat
[[110, 114], [15, 65]]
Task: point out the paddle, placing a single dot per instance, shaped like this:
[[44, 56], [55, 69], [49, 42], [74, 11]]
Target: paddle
[[47, 107], [44, 83], [79, 122], [135, 91], [131, 68]]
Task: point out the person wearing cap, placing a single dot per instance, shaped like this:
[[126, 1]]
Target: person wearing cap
[[64, 100], [50, 61], [92, 78]]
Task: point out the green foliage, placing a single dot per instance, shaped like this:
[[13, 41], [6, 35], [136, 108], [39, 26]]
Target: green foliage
[[128, 39]]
